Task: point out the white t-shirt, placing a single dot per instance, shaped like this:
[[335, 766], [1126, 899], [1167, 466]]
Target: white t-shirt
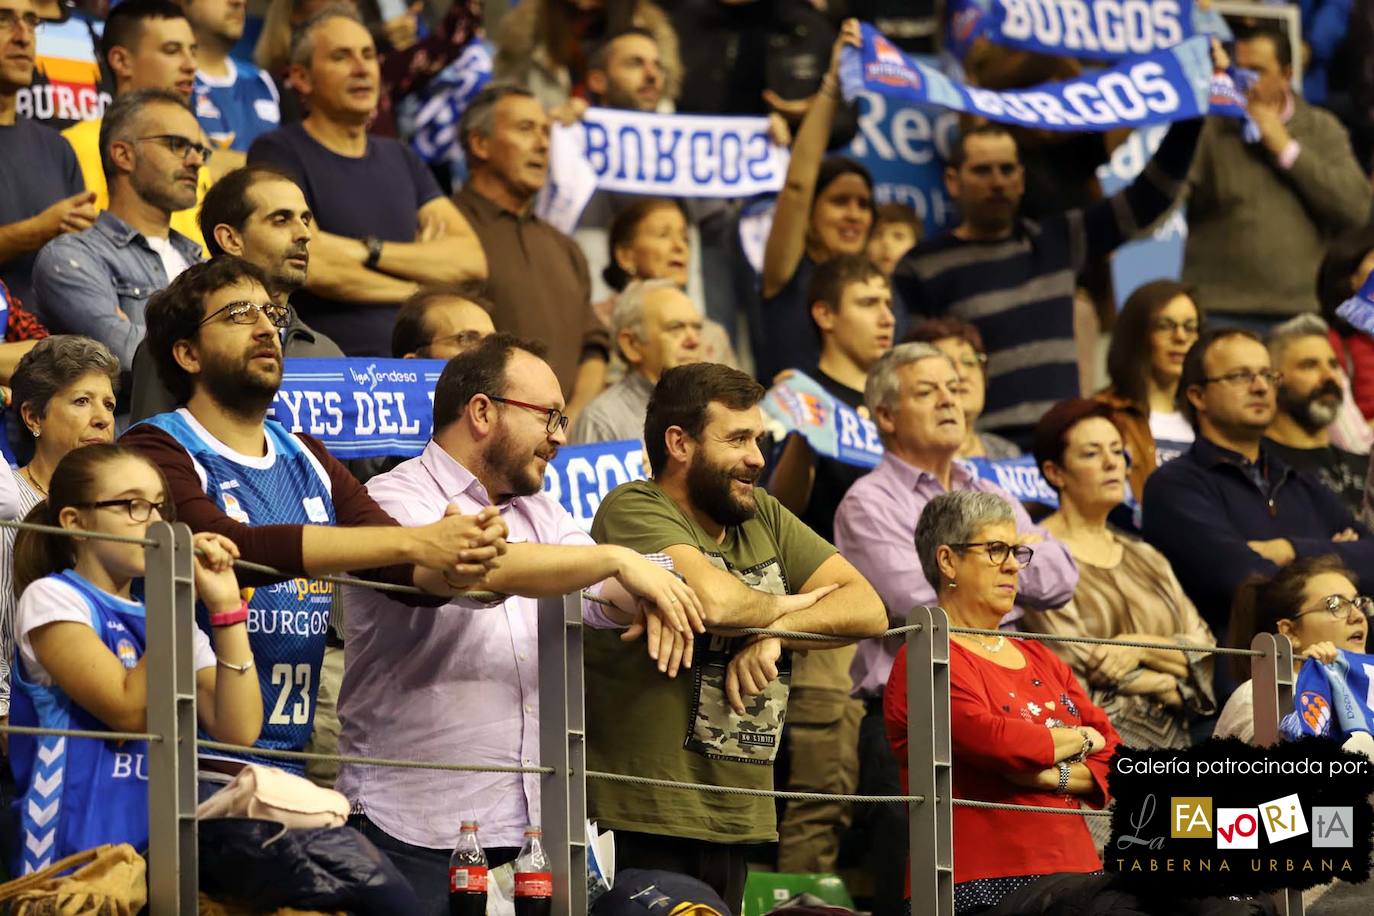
[[51, 600], [172, 261], [1171, 433]]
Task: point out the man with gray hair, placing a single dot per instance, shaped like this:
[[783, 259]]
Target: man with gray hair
[[1309, 401], [656, 327], [383, 228], [536, 275], [913, 395], [96, 283]]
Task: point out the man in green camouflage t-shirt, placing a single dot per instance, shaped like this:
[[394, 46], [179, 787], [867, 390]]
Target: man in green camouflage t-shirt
[[753, 564]]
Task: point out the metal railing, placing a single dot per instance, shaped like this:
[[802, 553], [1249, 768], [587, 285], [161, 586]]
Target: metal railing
[[173, 879]]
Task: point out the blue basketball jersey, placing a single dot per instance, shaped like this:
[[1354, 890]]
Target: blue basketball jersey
[[77, 793], [240, 106], [287, 621]]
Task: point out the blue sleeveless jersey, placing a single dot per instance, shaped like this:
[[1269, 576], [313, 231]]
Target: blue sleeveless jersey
[[287, 621], [77, 793]]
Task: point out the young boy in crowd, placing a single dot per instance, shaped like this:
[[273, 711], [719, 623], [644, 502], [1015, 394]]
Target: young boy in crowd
[[896, 230]]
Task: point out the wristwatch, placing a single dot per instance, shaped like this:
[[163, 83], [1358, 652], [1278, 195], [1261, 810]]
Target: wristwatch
[[374, 251], [1064, 770]]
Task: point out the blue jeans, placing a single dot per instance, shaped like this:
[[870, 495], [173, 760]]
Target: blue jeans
[[425, 868]]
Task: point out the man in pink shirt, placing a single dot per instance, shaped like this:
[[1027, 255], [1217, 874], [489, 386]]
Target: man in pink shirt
[[461, 683]]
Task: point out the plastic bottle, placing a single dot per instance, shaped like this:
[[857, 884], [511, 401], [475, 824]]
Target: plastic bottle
[[533, 879], [467, 875]]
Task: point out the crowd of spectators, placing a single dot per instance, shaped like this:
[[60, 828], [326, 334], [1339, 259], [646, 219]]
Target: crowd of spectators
[[208, 211]]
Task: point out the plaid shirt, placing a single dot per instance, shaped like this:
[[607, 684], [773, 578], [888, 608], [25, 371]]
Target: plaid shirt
[[22, 324]]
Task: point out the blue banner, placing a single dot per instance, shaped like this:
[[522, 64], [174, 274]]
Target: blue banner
[[446, 98], [1089, 29], [359, 408], [904, 147], [580, 476], [1168, 85], [1359, 308]]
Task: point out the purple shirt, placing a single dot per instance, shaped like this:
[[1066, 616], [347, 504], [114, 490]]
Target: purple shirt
[[875, 529], [458, 684]]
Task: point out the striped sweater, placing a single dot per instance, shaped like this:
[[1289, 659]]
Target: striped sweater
[[1019, 290]]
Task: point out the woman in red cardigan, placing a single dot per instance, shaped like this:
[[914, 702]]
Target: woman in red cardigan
[[1023, 732]]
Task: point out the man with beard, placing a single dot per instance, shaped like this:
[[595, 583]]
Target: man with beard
[[498, 421], [914, 395], [279, 496], [1309, 401], [754, 564], [1015, 278], [97, 282], [1229, 507], [259, 214]]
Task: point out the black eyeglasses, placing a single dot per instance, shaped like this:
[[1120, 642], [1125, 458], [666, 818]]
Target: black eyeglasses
[[557, 420], [140, 510], [999, 550], [10, 18], [1169, 326], [1244, 378], [1339, 607], [244, 312], [180, 146]]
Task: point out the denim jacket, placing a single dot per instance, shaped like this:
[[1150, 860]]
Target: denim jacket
[[97, 283]]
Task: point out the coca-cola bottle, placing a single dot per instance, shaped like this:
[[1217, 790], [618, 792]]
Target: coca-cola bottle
[[467, 875], [533, 880]]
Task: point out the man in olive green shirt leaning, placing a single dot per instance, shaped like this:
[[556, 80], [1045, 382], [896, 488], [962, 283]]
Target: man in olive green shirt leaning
[[753, 564]]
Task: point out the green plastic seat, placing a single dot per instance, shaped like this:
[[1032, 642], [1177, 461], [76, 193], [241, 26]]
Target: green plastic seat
[[765, 890]]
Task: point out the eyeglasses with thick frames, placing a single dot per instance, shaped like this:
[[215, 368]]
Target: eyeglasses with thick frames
[[1244, 378], [140, 510], [998, 551], [1339, 607], [557, 420], [244, 312], [10, 18], [180, 146]]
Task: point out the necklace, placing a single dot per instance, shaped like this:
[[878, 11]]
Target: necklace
[[42, 491], [994, 647]]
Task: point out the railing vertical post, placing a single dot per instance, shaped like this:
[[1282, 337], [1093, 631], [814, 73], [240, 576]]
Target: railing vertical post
[[1271, 679], [173, 877], [928, 762], [562, 745]]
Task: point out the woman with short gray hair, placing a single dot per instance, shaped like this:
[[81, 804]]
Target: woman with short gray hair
[[1021, 728], [63, 390]]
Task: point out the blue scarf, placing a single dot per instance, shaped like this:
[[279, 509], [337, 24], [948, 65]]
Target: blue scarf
[[1167, 85]]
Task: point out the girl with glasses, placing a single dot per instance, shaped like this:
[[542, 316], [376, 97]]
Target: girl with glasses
[[82, 638], [1158, 324], [1312, 601]]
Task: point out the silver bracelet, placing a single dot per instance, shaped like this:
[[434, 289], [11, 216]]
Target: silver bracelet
[[1064, 770], [246, 666]]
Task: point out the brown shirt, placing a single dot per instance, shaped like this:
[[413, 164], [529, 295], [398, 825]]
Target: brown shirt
[[538, 280]]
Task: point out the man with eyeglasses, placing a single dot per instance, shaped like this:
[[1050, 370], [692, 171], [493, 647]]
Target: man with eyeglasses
[[1229, 507], [42, 195], [463, 683], [440, 322], [97, 283], [279, 496], [145, 44], [914, 396]]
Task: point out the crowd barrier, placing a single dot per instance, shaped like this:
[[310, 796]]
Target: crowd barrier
[[172, 735]]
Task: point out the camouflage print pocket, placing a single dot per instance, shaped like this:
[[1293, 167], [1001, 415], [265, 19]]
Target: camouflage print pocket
[[716, 732]]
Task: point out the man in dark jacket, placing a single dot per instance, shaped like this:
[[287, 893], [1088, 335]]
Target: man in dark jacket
[[1228, 508]]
